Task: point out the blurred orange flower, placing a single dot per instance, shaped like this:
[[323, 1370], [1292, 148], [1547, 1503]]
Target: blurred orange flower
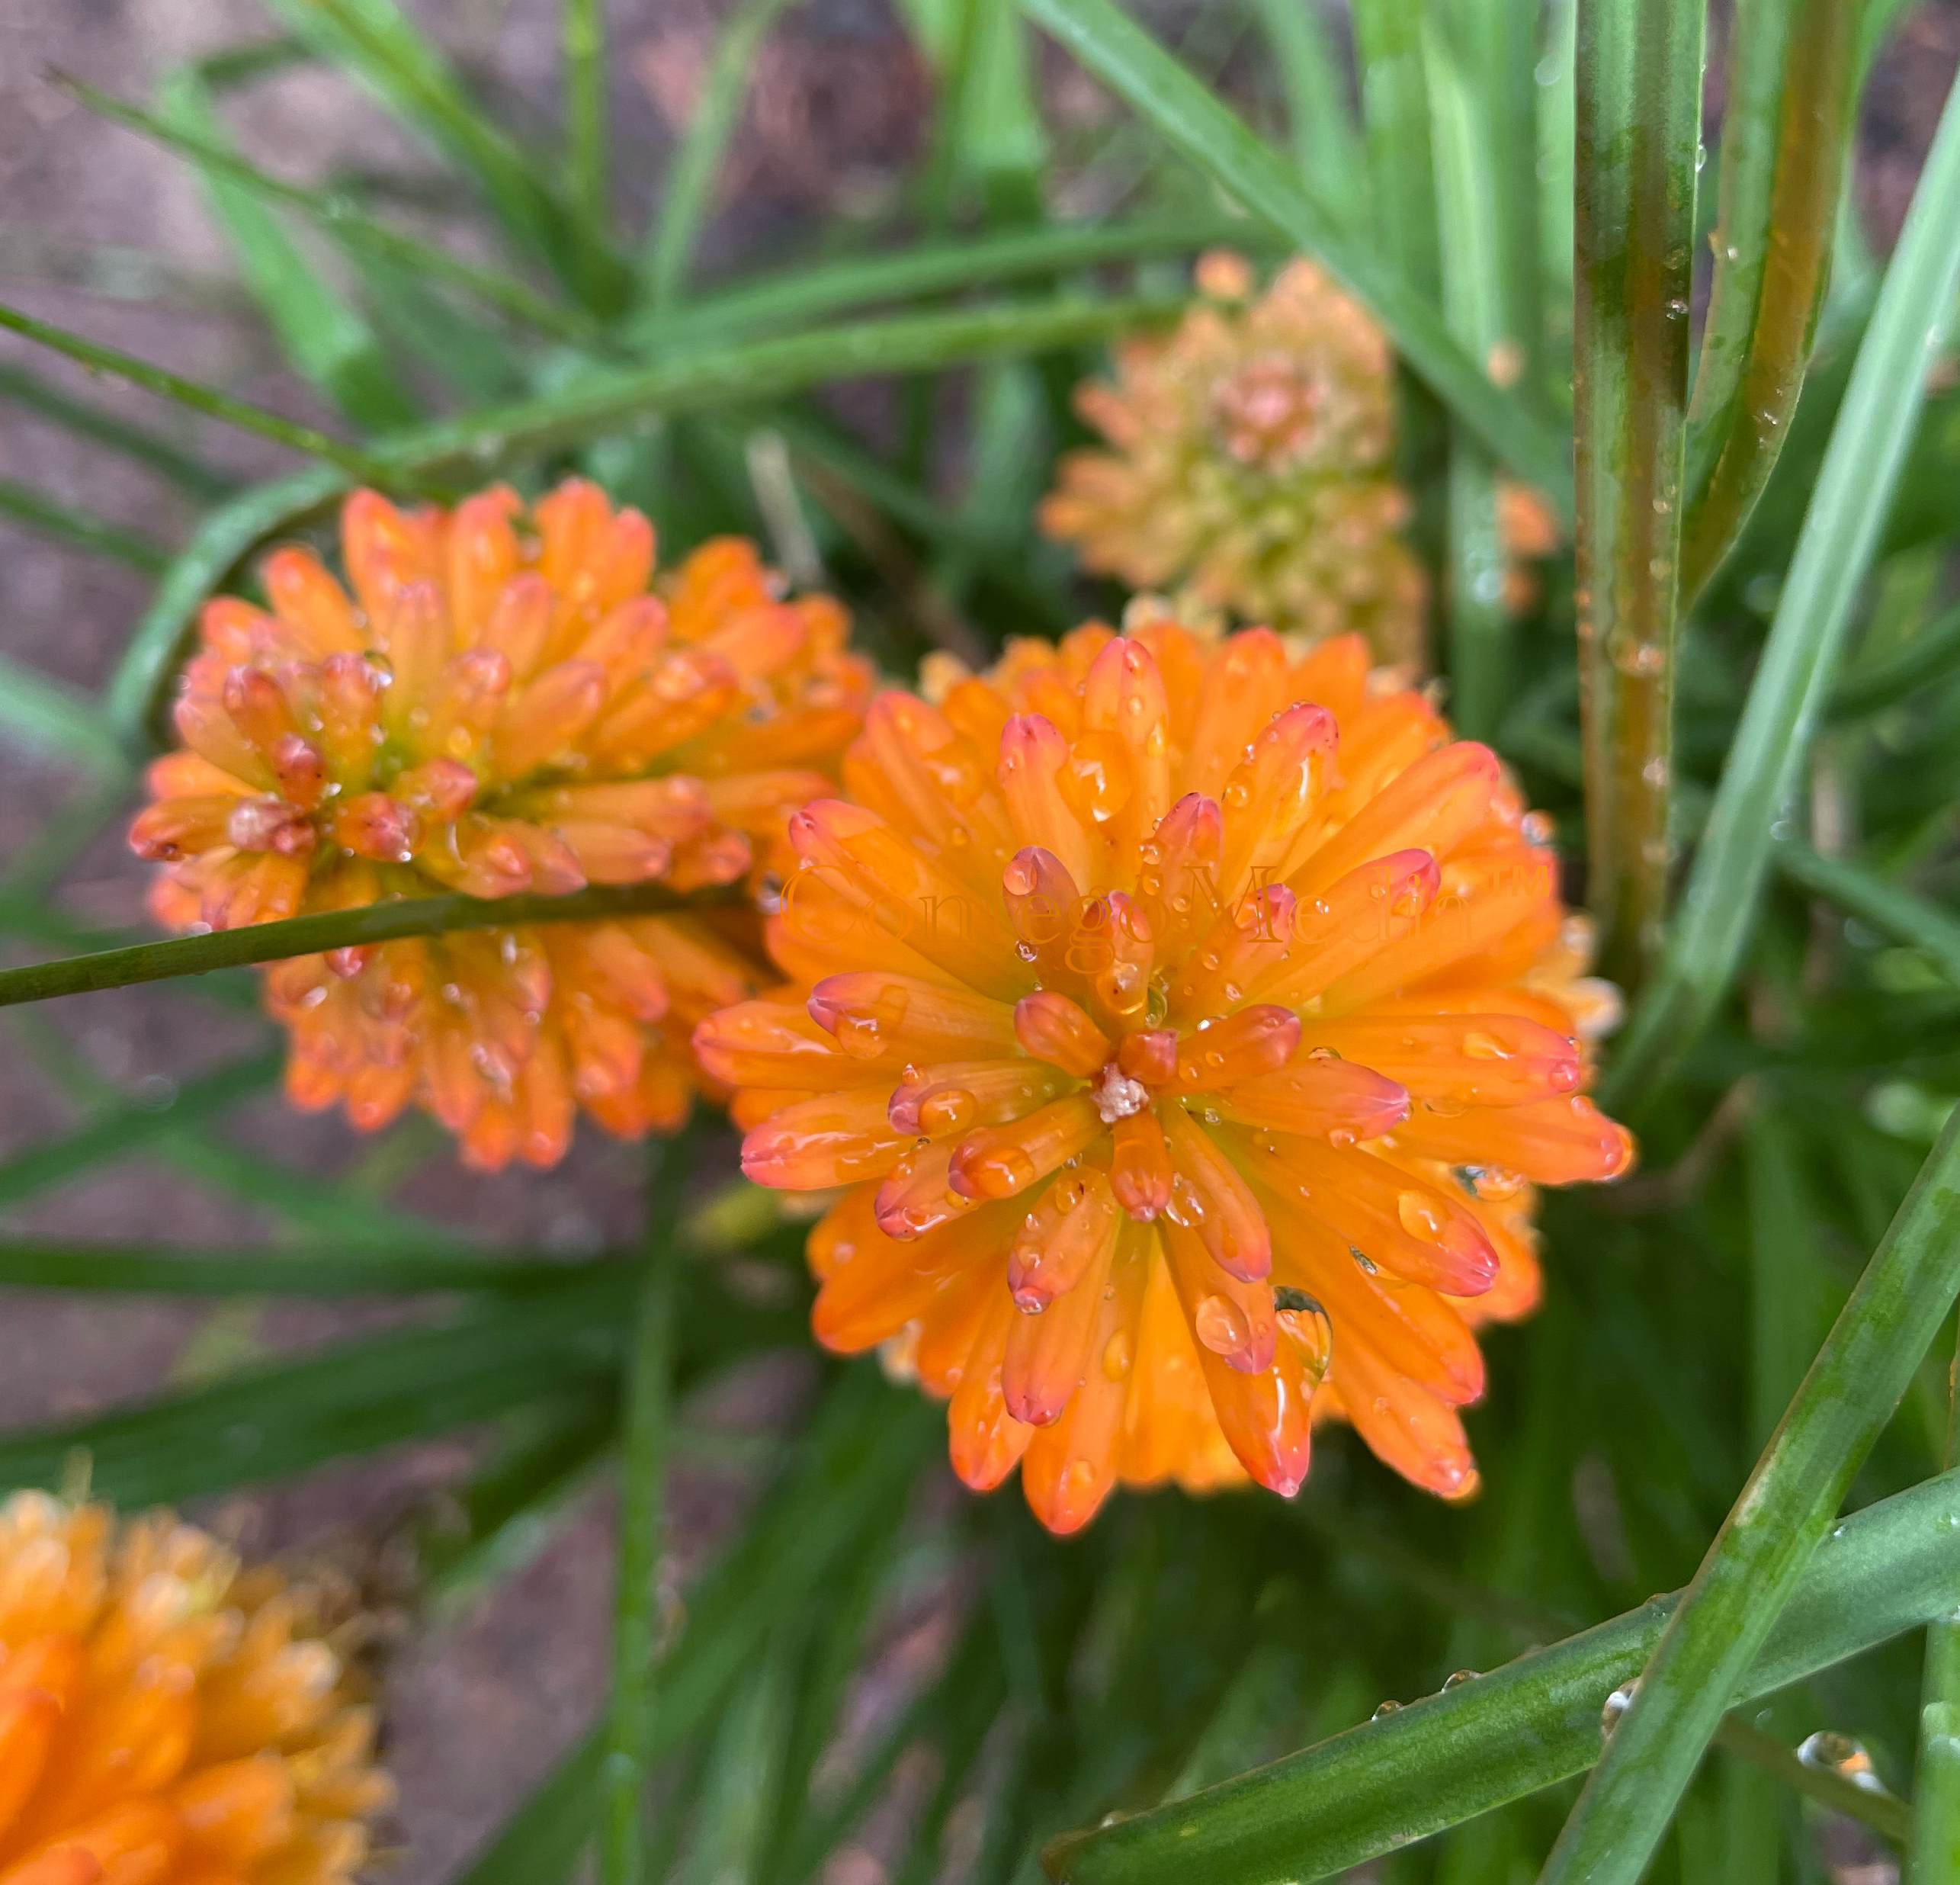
[[1190, 1022], [1249, 469], [508, 701], [166, 1717]]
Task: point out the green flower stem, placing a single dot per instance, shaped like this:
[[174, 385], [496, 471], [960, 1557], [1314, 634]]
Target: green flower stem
[[1900, 913], [1794, 677], [1535, 1721], [330, 930], [340, 218], [1113, 47], [1784, 144], [1933, 1853], [200, 399], [1758, 1557], [643, 1441], [1639, 126]]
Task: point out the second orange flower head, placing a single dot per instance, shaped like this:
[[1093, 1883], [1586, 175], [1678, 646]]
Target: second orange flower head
[[1190, 1024], [504, 699]]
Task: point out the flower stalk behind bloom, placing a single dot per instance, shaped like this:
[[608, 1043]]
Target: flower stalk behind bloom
[[1189, 1026], [1248, 464], [506, 701], [166, 1716]]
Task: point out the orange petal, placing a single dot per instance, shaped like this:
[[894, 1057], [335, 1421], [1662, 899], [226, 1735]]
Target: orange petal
[[873, 1014], [883, 1283], [957, 1095], [1228, 1317], [984, 1440], [1047, 912], [303, 595], [1244, 944], [541, 726], [837, 1138], [888, 878], [1267, 1417], [28, 1718], [1394, 1219], [1000, 1161], [1070, 1465], [1488, 1060], [1033, 754], [1432, 807], [918, 1197], [1244, 687], [1256, 1040], [1207, 1196], [775, 1043], [1369, 911], [1269, 794], [1178, 883], [1050, 1341], [1321, 1098], [1480, 902], [1140, 1173], [1404, 1425], [1124, 709], [1060, 1240], [1550, 1141], [1054, 1029]]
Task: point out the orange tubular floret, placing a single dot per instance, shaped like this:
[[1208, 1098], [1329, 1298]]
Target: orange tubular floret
[[507, 702], [1190, 1023], [167, 1718]]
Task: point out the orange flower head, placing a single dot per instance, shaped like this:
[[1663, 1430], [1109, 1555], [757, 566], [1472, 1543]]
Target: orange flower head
[[509, 700], [1189, 1023], [166, 1716], [1248, 464]]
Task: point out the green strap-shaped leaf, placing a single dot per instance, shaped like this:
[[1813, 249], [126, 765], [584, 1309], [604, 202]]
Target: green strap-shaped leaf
[[1320, 122], [320, 332], [336, 215], [1785, 140], [49, 716], [1120, 53], [380, 45], [67, 523], [1535, 1721], [1757, 1559]]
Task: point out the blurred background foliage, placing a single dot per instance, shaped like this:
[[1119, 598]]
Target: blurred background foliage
[[882, 251]]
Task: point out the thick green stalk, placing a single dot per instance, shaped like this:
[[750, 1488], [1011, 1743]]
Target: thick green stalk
[[1758, 1557], [1320, 123], [582, 38], [1112, 46], [200, 399], [643, 1468], [1535, 1721], [1784, 143], [1639, 127], [1933, 1853], [1794, 678], [330, 930]]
